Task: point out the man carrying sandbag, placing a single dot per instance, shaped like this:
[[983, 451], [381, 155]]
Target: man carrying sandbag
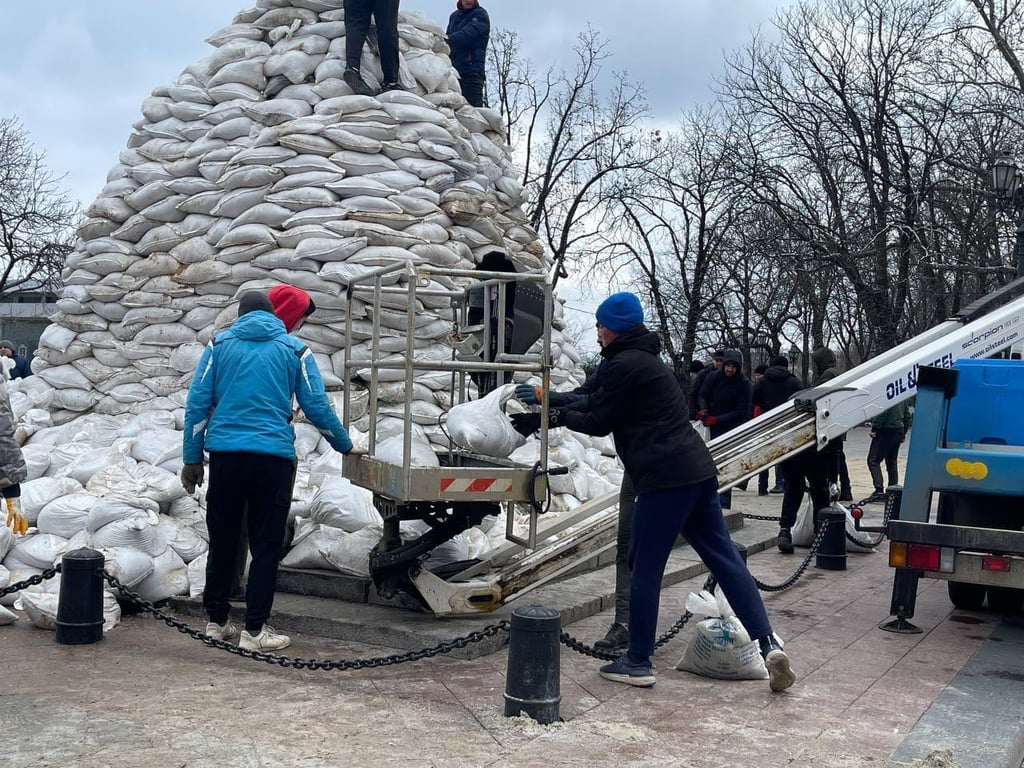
[[639, 401], [239, 409]]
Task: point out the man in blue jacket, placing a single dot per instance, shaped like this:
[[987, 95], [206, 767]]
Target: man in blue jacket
[[239, 409], [639, 401], [469, 30]]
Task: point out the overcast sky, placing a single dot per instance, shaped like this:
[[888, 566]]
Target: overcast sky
[[75, 72]]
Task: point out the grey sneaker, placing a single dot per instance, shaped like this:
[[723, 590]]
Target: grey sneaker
[[355, 81], [266, 640], [616, 640], [622, 670], [225, 631], [780, 672]]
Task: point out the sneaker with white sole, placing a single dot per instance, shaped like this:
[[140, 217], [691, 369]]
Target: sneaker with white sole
[[225, 631], [622, 670], [615, 641], [780, 672], [265, 640]]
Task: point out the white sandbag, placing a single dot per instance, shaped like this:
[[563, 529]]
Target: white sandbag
[[140, 531], [37, 460], [340, 504], [157, 446], [65, 516], [117, 506], [803, 529], [721, 647], [83, 467], [482, 426], [127, 564], [169, 578], [350, 553], [182, 539], [39, 550], [6, 543], [392, 449], [6, 617], [37, 493], [41, 608], [310, 543]]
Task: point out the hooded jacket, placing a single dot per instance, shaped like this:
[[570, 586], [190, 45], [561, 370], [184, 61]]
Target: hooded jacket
[[638, 400], [728, 398], [241, 394], [824, 365], [468, 34], [12, 463]]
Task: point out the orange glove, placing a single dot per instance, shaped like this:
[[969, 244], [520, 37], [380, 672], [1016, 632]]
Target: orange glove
[[15, 517]]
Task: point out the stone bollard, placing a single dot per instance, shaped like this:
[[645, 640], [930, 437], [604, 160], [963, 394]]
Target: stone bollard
[[532, 681], [80, 610], [832, 550]]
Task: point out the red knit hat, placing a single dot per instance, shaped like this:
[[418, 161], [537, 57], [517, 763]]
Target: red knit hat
[[291, 304]]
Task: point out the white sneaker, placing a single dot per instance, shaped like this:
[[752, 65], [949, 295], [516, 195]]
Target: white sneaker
[[225, 631], [780, 673], [266, 640]]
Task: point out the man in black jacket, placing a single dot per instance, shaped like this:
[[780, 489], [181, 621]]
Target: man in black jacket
[[469, 31], [638, 400], [726, 401], [775, 387]]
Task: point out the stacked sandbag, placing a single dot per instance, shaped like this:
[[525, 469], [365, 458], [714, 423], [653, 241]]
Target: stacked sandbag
[[259, 166]]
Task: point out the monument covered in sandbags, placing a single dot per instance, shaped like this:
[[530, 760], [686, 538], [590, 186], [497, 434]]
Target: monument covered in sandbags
[[259, 166]]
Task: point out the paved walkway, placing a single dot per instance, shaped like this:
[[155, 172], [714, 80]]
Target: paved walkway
[[150, 696]]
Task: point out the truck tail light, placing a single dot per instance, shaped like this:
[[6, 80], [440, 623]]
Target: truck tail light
[[923, 557], [996, 563], [897, 554]]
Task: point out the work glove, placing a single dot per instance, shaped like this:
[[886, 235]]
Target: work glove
[[702, 414], [356, 452], [528, 394], [709, 421], [528, 423], [191, 476], [15, 518]]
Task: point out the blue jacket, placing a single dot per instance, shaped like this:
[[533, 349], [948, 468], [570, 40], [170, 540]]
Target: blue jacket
[[21, 369], [468, 34], [241, 394]]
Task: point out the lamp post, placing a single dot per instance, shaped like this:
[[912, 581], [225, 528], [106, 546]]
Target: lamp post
[[794, 358], [1006, 183]]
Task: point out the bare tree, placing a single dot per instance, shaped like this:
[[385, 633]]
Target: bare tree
[[573, 140], [36, 216]]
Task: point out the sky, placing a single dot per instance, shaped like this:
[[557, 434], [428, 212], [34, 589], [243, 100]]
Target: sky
[[75, 73]]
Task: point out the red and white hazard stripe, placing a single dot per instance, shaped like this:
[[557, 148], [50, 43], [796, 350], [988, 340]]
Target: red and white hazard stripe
[[478, 485]]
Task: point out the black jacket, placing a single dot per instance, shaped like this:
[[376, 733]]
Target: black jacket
[[639, 401], [728, 398], [468, 34], [777, 386]]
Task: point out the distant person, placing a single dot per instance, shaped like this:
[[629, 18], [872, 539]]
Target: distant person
[[20, 370], [698, 381], [776, 386], [469, 30], [357, 24], [13, 470], [888, 430], [726, 401], [638, 400], [239, 409], [826, 369]]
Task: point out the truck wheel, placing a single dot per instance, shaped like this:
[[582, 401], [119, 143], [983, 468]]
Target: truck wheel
[[1005, 599], [968, 597]]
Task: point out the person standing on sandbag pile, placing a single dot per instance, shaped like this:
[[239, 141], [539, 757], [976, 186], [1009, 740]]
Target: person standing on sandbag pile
[[639, 401], [357, 24], [13, 471], [469, 31], [239, 409]]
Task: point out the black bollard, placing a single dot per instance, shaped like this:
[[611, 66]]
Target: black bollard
[[80, 610], [832, 550], [532, 681]]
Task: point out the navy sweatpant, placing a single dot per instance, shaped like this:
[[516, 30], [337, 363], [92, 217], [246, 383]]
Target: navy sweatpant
[[694, 511]]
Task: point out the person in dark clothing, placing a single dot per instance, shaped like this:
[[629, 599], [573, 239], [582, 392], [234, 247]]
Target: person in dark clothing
[[617, 637], [638, 400], [469, 30], [698, 382], [239, 409], [726, 401], [357, 24], [888, 430], [826, 369], [20, 369], [776, 387]]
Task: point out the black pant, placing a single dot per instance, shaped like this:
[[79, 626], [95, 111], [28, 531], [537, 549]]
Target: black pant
[[885, 446], [357, 24], [473, 88], [807, 466], [623, 542], [256, 487]]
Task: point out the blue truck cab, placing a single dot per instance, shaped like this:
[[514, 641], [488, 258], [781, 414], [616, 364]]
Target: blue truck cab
[[960, 515]]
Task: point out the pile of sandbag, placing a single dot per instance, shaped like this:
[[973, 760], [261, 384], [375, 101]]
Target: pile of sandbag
[[259, 166]]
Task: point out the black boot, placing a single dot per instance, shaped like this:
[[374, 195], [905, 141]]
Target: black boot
[[616, 640]]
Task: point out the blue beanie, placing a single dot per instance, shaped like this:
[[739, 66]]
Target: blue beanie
[[620, 312]]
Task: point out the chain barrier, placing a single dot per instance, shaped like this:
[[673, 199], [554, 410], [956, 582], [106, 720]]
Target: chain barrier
[[314, 664], [31, 581], [815, 543]]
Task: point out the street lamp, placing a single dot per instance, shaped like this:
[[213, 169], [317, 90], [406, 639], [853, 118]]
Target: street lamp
[[1006, 183]]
